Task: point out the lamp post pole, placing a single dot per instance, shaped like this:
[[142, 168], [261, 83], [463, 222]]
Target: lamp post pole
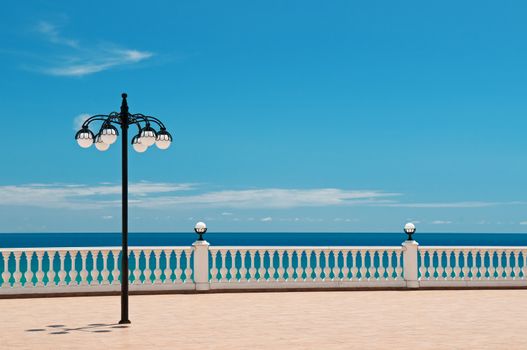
[[107, 135], [124, 255]]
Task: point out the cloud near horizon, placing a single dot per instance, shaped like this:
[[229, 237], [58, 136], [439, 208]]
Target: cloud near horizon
[[151, 195]]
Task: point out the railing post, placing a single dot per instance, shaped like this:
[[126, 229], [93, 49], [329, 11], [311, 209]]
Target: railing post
[[201, 265], [410, 271]]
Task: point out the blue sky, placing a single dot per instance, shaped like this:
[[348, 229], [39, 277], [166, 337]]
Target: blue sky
[[286, 115]]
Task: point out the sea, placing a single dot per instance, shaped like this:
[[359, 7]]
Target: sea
[[84, 239]]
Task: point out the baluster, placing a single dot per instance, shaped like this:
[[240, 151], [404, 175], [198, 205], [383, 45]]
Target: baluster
[[157, 269], [524, 267], [90, 277], [243, 269], [84, 271], [390, 269], [104, 271], [24, 273], [147, 271], [448, 266], [440, 268], [177, 269], [214, 269], [398, 265], [52, 274], [262, 269], [62, 271], [17, 275], [372, 269], [353, 269], [431, 269], [6, 275], [168, 269], [508, 268], [500, 268], [280, 270], [56, 277], [299, 270], [290, 270], [318, 270], [233, 270], [327, 269], [457, 268], [516, 269], [73, 272], [344, 268], [492, 268], [483, 269], [136, 272], [422, 268], [116, 279], [38, 273], [336, 266], [188, 268], [465, 268], [223, 269], [29, 274], [474, 269], [363, 269], [271, 270], [252, 270], [381, 269], [309, 270]]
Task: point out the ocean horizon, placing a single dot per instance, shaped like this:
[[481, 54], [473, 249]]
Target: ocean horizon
[[101, 239]]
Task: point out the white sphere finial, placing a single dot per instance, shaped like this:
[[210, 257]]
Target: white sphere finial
[[200, 227], [409, 229]]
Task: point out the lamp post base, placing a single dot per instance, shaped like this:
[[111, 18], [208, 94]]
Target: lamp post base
[[124, 322]]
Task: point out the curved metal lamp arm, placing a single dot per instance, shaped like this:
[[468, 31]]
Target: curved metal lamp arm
[[98, 117], [148, 119]]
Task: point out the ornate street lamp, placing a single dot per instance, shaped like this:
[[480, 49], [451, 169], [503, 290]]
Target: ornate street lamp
[[409, 229], [106, 136], [200, 229]]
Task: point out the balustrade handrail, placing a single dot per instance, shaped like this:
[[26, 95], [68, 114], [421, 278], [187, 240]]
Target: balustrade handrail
[[67, 249], [307, 247], [428, 247]]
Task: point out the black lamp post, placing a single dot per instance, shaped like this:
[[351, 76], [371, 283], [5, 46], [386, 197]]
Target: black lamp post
[[200, 229], [107, 135], [409, 229]]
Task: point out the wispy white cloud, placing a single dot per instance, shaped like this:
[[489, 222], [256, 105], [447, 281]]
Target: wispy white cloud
[[80, 60], [79, 196], [523, 222], [266, 219], [166, 195], [150, 195], [270, 198], [96, 62], [51, 32], [448, 205], [441, 222]]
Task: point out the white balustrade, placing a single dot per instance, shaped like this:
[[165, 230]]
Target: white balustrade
[[472, 266], [85, 270], [305, 267]]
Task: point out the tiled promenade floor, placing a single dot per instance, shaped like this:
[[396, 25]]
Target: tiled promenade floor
[[472, 319]]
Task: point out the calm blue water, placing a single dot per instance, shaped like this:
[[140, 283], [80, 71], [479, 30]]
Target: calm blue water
[[30, 240]]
